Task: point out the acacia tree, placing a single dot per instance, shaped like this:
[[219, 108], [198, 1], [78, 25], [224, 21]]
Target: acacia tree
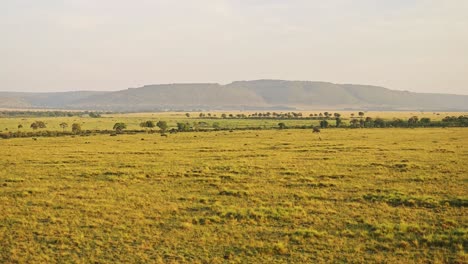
[[425, 120], [38, 124], [20, 126], [41, 124], [183, 127], [147, 124], [412, 121], [63, 126], [119, 127], [281, 125], [162, 125], [76, 128], [150, 124]]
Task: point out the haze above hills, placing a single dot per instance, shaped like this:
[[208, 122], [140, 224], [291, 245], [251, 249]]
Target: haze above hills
[[239, 95]]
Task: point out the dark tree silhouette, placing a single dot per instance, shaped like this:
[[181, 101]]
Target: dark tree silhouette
[[63, 126], [324, 124], [338, 121], [76, 128], [147, 124], [119, 127], [281, 125], [38, 124], [162, 125]]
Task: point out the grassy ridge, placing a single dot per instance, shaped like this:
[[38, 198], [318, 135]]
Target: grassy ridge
[[379, 195]]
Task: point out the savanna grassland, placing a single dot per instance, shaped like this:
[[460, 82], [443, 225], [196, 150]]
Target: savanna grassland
[[271, 196], [133, 120]]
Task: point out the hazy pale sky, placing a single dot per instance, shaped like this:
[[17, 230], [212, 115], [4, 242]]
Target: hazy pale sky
[[63, 45]]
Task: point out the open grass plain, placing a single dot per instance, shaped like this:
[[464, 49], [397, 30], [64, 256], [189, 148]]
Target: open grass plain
[[271, 196]]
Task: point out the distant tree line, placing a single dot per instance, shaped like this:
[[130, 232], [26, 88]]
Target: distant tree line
[[274, 115], [361, 122], [414, 121], [39, 127], [51, 114]]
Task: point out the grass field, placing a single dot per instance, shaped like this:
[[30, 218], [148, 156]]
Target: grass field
[[273, 196]]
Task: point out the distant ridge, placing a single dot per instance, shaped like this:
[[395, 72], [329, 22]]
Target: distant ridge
[[240, 95]]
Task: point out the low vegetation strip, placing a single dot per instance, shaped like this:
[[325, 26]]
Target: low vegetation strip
[[399, 199], [322, 121]]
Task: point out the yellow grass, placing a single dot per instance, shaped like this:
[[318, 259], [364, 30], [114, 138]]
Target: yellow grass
[[360, 196]]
